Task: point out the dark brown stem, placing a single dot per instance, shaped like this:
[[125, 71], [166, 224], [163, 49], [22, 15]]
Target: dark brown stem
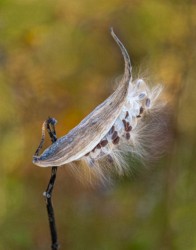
[[50, 210], [50, 125], [48, 193]]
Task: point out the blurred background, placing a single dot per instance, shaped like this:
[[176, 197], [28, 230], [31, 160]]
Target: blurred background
[[57, 58]]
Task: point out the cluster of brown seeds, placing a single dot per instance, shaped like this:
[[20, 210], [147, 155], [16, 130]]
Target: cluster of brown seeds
[[115, 137]]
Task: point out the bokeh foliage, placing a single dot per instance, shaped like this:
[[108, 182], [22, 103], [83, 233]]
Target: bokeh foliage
[[57, 58]]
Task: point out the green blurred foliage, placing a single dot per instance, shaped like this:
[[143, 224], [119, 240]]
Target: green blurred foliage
[[57, 58]]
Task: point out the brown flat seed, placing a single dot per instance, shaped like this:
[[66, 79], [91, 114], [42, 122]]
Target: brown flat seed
[[115, 134], [138, 116], [124, 122], [148, 102], [141, 110], [116, 141], [127, 136], [129, 128], [110, 159], [104, 143], [127, 114], [112, 130]]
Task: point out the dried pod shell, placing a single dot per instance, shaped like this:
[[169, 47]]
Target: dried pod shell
[[90, 131], [128, 121]]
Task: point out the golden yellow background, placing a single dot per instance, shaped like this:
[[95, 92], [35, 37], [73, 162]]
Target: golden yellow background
[[57, 59]]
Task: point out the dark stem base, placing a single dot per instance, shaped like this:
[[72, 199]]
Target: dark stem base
[[51, 216]]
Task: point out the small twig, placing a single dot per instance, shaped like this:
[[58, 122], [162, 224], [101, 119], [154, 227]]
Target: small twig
[[50, 210], [50, 125]]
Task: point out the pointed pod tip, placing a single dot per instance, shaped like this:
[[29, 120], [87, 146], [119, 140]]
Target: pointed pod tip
[[128, 67], [114, 35], [35, 159], [111, 30], [38, 162]]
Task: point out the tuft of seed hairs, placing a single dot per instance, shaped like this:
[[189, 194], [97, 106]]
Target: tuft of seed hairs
[[130, 122]]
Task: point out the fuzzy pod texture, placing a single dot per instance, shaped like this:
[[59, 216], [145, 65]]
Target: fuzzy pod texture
[[130, 121]]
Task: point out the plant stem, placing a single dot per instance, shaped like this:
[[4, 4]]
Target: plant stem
[[50, 210], [50, 125]]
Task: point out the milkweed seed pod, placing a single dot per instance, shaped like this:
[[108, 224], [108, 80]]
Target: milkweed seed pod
[[128, 121]]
